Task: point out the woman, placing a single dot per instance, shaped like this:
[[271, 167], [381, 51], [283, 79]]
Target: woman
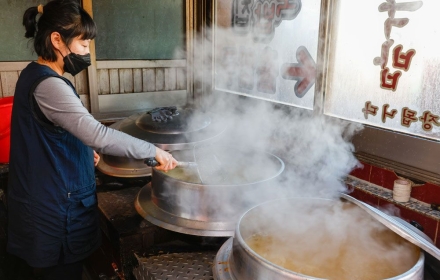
[[52, 203]]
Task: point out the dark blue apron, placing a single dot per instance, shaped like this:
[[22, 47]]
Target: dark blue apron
[[52, 204]]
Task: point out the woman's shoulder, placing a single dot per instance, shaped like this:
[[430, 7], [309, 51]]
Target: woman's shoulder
[[54, 84]]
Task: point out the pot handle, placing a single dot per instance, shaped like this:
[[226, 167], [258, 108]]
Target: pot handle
[[151, 162]]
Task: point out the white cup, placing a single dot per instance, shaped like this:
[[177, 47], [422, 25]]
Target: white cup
[[401, 190]]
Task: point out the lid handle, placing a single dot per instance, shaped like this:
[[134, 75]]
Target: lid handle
[[163, 114]]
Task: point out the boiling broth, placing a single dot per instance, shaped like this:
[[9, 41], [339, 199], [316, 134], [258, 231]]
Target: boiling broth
[[315, 252], [235, 173]]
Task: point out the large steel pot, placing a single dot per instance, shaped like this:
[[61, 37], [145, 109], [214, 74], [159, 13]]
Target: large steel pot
[[182, 203], [238, 258], [189, 128]]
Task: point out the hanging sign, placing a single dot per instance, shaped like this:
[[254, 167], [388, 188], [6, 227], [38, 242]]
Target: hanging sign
[[267, 49], [384, 65]]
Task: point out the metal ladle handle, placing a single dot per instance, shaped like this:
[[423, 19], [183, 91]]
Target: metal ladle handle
[[151, 162]]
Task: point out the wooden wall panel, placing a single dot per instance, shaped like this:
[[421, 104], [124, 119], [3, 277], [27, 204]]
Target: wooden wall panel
[[114, 103], [180, 78], [114, 80], [81, 83], [126, 80], [137, 80], [103, 81], [160, 79], [149, 79], [170, 78]]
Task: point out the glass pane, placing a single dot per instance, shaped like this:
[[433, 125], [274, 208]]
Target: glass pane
[[139, 29], [384, 65], [268, 49]]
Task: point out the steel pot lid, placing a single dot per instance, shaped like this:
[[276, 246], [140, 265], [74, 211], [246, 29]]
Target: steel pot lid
[[399, 226], [188, 128]]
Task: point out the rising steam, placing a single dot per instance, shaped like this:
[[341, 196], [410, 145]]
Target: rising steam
[[316, 149]]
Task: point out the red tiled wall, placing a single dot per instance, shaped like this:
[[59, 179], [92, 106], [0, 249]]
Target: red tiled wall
[[428, 193]]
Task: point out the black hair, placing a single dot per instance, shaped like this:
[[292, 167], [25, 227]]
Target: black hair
[[63, 16]]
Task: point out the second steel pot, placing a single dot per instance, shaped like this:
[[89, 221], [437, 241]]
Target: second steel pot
[[178, 201]]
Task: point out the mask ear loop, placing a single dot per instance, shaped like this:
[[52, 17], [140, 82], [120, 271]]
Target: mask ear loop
[[64, 41]]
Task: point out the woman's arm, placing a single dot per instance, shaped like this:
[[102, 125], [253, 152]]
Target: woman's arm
[[61, 106]]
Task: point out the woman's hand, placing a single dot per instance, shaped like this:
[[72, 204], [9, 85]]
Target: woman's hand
[[96, 158], [165, 159]]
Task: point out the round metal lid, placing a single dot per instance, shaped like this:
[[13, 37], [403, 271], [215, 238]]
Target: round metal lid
[[188, 128], [187, 121], [400, 227]]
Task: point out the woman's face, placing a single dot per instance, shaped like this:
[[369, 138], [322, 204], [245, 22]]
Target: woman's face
[[79, 46]]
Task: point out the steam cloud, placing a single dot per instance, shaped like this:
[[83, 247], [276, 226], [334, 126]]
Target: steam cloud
[[316, 150]]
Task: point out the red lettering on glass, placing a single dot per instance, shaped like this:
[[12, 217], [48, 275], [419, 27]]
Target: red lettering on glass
[[304, 71], [389, 81], [408, 116], [402, 60], [369, 109], [264, 15], [286, 7], [386, 113], [428, 119]]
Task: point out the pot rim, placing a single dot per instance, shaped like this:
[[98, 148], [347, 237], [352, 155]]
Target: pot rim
[[199, 185], [274, 267], [270, 265]]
